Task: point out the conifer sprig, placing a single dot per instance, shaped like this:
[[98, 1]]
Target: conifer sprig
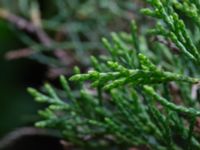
[[131, 100], [148, 74], [174, 27]]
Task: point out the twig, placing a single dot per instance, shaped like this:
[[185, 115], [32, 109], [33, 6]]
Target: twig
[[27, 26], [167, 43]]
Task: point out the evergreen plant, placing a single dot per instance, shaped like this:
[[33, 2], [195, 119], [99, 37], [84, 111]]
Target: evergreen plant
[[143, 93]]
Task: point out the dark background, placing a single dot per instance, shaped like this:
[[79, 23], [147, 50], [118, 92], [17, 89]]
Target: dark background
[[17, 108]]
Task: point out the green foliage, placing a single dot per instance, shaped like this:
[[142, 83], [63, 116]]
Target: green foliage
[[139, 94]]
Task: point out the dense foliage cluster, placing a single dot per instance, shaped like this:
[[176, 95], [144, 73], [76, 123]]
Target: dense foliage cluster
[[143, 93]]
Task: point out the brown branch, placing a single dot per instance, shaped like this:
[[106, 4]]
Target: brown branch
[[194, 91], [27, 26], [35, 29], [24, 137], [167, 43], [16, 54]]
